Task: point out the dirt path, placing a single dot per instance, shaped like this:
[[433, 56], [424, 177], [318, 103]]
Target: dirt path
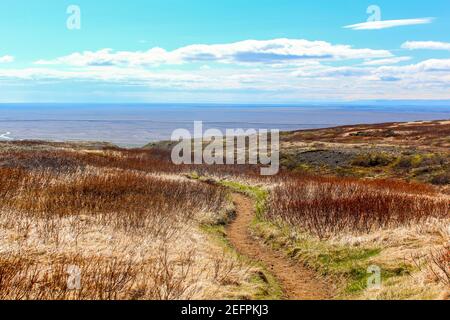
[[297, 282]]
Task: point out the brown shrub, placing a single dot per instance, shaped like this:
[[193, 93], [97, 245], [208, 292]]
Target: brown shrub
[[372, 160], [327, 206], [99, 192], [52, 207]]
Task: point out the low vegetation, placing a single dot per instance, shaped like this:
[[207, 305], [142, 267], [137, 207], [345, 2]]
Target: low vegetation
[[112, 224], [93, 221], [412, 257], [416, 151], [432, 134], [327, 206]]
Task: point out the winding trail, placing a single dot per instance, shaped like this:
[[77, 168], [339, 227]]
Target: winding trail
[[298, 282]]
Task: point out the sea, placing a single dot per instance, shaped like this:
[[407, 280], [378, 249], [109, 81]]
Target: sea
[[134, 125]]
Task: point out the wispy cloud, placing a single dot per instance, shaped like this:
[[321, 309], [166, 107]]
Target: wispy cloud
[[385, 24], [269, 52], [6, 59], [430, 71], [381, 62], [428, 45]]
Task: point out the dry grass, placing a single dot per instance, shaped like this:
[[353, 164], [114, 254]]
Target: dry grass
[[341, 226], [132, 232], [439, 264], [421, 251], [129, 222]]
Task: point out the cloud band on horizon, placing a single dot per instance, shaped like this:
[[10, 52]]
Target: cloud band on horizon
[[269, 52]]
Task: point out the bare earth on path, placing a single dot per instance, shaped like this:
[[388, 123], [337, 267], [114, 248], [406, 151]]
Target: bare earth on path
[[298, 282]]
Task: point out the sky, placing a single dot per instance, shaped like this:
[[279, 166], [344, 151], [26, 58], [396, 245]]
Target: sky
[[224, 51]]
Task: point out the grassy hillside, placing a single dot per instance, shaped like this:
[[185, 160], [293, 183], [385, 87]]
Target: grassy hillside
[[134, 226]]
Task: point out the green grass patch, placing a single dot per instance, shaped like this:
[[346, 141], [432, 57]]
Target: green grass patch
[[259, 194], [344, 264]]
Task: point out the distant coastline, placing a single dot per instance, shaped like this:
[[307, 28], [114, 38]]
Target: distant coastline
[[135, 125]]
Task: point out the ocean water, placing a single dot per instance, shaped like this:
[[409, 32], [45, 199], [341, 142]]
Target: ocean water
[[134, 125]]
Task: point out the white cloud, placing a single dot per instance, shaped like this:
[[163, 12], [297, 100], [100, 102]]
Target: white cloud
[[106, 57], [6, 59], [430, 78], [381, 62], [428, 72], [288, 67], [429, 45], [328, 72], [103, 74], [269, 52], [432, 72], [385, 24], [431, 65]]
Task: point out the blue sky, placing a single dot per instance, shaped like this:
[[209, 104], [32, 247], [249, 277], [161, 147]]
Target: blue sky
[[223, 51]]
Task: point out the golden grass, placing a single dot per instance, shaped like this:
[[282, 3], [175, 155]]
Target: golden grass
[[130, 230], [129, 221]]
